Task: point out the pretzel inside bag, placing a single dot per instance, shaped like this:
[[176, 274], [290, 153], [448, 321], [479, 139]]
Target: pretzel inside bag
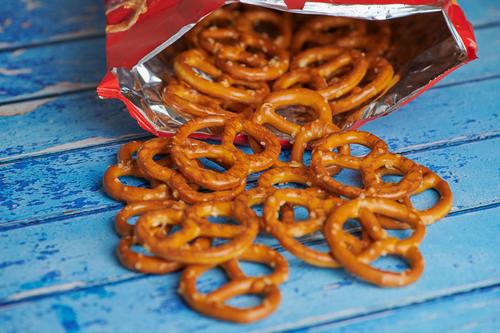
[[210, 200]]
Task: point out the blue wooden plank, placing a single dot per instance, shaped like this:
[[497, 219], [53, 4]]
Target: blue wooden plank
[[51, 70], [31, 22], [62, 123], [454, 264], [41, 247], [481, 12], [476, 311]]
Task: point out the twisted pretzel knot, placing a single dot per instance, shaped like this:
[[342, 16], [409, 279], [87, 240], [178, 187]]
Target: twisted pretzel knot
[[213, 303], [364, 211]]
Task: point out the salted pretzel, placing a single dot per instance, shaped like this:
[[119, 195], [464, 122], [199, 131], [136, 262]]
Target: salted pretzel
[[266, 113], [230, 129], [220, 18], [310, 132], [139, 262], [221, 85], [117, 190], [286, 233], [324, 157], [122, 225], [250, 21], [323, 78], [382, 72], [430, 215], [214, 304], [186, 100], [235, 174], [183, 189], [317, 31], [364, 210], [138, 7], [194, 224], [239, 64], [146, 161]]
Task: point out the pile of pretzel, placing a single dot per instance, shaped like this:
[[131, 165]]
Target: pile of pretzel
[[187, 190], [233, 80], [243, 60]]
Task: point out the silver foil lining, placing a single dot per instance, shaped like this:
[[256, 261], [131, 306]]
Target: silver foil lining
[[424, 46]]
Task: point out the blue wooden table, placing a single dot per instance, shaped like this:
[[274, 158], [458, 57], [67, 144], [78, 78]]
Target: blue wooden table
[[58, 272]]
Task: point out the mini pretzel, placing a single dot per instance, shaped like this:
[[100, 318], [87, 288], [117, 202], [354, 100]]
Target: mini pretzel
[[432, 214], [286, 233], [257, 161], [323, 157], [213, 303], [250, 20], [124, 229], [317, 31], [115, 189], [311, 131], [324, 77], [359, 263], [195, 224], [183, 190], [375, 186], [266, 113], [383, 74], [241, 67], [220, 18], [145, 160], [184, 99], [143, 263], [222, 86]]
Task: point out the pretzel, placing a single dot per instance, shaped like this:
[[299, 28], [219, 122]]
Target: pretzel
[[364, 210], [430, 215], [316, 31], [250, 21], [117, 190], [185, 155], [266, 113], [375, 186], [143, 263], [324, 77], [195, 224], [183, 190], [214, 304], [219, 18], [124, 229], [241, 67], [257, 161], [222, 86], [323, 157], [286, 233], [138, 8], [311, 131], [145, 160], [185, 99], [383, 74]]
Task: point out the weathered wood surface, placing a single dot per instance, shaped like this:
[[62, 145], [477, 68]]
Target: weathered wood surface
[[57, 267]]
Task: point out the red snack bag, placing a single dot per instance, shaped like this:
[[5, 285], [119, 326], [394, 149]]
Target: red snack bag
[[420, 41]]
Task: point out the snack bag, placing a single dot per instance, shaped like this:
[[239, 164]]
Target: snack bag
[[174, 60]]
